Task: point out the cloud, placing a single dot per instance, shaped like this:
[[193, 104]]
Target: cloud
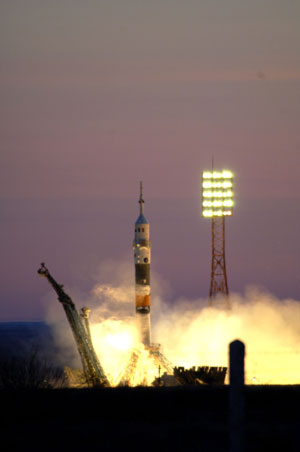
[[191, 333]]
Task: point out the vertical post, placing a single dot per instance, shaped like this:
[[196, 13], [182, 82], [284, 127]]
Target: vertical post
[[236, 396], [218, 279]]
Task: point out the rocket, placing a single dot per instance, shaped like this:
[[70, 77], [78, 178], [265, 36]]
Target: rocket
[[142, 259]]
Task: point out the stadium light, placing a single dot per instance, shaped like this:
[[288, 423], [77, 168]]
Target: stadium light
[[217, 193]]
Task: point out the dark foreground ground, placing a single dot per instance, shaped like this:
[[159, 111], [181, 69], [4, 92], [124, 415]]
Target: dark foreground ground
[[189, 418], [147, 419]]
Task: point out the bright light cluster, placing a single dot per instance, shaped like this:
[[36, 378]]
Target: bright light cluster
[[217, 174], [217, 193]]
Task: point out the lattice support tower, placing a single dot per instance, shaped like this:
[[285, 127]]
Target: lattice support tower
[[218, 279], [127, 376], [130, 368], [92, 368]]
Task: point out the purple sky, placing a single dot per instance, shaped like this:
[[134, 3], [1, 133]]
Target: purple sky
[[98, 95]]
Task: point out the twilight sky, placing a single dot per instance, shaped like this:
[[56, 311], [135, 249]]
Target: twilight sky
[[97, 95]]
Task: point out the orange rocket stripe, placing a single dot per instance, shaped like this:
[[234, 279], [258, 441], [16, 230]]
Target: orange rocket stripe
[[142, 301]]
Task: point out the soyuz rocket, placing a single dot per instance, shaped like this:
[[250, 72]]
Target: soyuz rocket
[[142, 258]]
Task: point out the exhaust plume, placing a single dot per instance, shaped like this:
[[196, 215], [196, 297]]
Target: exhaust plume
[[191, 333]]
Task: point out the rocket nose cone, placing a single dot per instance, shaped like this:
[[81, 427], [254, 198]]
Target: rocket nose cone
[[142, 220]]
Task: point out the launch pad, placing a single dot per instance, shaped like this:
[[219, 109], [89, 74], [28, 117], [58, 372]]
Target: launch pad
[[146, 364], [140, 359]]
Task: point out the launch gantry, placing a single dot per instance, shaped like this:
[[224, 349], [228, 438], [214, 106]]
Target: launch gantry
[[136, 365], [93, 371]]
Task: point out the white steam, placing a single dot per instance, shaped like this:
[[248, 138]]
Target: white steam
[[191, 333], [269, 327]]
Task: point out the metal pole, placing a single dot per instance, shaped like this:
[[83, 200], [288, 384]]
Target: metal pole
[[236, 396]]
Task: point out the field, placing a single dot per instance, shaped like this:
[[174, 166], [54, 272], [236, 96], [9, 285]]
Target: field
[[148, 419]]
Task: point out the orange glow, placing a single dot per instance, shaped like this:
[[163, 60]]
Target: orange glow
[[142, 300]]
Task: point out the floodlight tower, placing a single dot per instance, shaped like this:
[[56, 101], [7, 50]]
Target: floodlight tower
[[217, 203]]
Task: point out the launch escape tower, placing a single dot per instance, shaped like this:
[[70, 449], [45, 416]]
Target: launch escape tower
[[217, 203], [92, 369]]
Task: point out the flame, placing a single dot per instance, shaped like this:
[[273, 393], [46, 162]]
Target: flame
[[115, 342], [119, 341]]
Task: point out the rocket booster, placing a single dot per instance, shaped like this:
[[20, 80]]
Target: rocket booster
[[142, 259]]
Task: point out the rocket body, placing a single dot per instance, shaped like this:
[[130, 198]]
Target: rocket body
[[142, 260]]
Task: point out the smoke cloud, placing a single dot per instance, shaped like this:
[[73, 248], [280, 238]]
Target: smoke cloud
[[191, 333], [269, 327]]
